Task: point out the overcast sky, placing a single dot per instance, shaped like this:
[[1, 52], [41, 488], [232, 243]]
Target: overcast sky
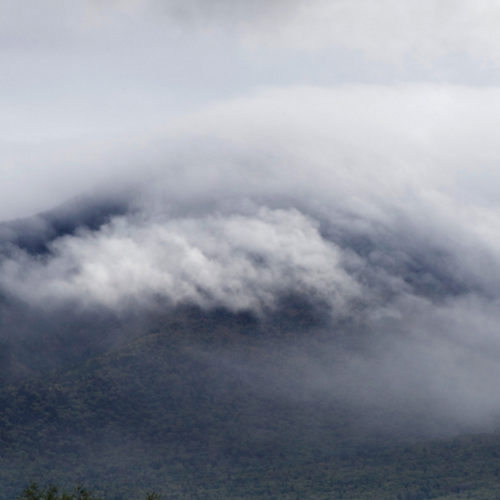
[[83, 83]]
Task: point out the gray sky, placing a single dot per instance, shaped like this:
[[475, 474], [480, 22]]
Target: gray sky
[[83, 82]]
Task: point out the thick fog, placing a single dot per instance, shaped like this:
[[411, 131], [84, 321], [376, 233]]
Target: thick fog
[[374, 203], [232, 154]]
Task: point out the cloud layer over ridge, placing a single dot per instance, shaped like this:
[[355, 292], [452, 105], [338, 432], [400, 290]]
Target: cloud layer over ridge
[[375, 203], [326, 150]]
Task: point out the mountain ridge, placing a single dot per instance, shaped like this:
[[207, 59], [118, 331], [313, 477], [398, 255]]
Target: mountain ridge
[[199, 416]]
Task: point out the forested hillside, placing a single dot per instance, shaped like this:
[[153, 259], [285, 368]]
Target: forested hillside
[[197, 412]]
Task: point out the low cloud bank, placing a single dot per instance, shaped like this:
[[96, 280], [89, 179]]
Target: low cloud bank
[[375, 203], [235, 261]]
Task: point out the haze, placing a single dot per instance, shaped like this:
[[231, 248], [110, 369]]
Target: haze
[[344, 151]]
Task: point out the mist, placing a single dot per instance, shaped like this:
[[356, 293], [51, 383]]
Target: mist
[[372, 204], [245, 156]]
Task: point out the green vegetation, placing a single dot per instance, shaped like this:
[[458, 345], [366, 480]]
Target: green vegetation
[[34, 492], [194, 413], [52, 492]]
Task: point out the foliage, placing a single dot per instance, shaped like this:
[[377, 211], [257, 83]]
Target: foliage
[[52, 492], [204, 413], [34, 492]]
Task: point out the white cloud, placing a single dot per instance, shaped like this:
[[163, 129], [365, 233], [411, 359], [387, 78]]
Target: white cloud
[[386, 194], [379, 200], [239, 262]]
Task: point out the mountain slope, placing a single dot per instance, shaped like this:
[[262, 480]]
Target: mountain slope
[[195, 411]]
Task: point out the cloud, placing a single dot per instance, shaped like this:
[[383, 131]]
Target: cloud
[[375, 179], [385, 30], [388, 29], [236, 262], [376, 204]]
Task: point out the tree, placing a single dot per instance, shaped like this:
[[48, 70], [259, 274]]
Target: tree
[[52, 492]]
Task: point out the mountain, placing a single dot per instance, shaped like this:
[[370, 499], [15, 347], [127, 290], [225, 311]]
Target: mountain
[[259, 353], [36, 339], [210, 406]]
